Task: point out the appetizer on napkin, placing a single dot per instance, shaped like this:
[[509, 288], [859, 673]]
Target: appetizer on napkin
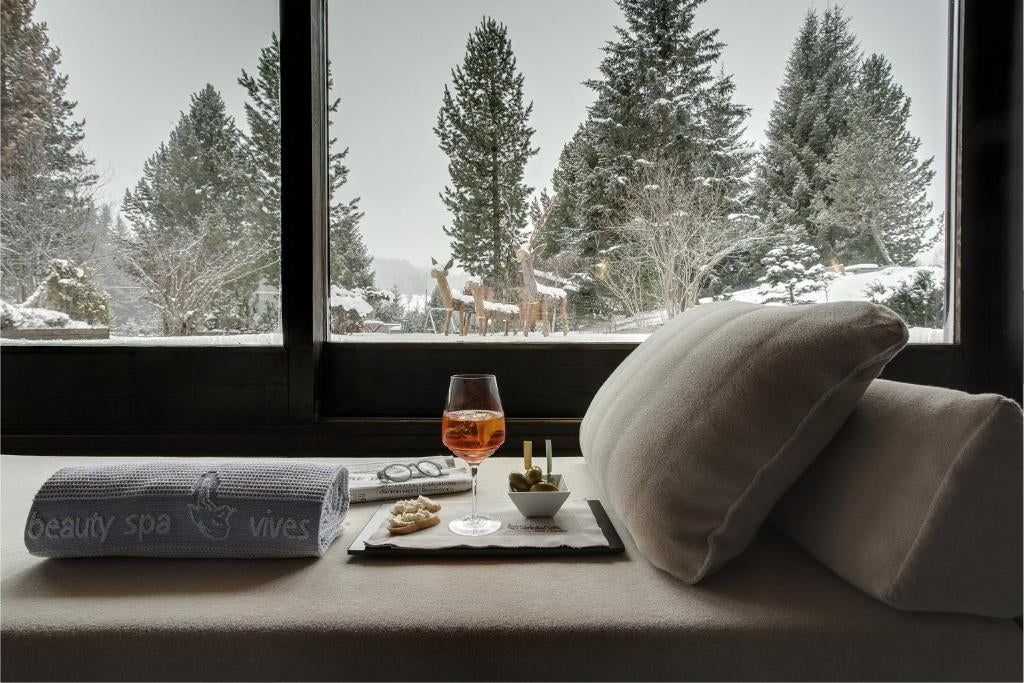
[[412, 515]]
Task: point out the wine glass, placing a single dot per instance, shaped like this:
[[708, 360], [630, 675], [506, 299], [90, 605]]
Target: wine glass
[[473, 427]]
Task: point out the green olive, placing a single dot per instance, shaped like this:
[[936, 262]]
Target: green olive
[[534, 475], [518, 482], [543, 486]]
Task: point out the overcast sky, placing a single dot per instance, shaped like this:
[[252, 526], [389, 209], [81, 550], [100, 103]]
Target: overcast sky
[[133, 64]]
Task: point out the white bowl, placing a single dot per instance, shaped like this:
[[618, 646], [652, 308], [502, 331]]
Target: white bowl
[[541, 503]]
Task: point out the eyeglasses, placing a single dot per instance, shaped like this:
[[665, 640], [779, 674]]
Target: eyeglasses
[[398, 472]]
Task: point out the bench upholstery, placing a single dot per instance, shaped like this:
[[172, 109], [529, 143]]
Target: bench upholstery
[[771, 613]]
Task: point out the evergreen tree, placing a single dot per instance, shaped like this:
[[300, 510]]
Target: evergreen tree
[[389, 307], [875, 206], [482, 127], [46, 180], [920, 301], [262, 143], [574, 222], [656, 78], [574, 227], [726, 156], [659, 99], [199, 172], [435, 300], [350, 262], [793, 274], [809, 115], [195, 199], [730, 159]]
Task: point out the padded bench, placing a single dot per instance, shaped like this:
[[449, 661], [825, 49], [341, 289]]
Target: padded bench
[[772, 613]]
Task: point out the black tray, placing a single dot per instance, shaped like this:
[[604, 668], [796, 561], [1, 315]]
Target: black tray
[[614, 544]]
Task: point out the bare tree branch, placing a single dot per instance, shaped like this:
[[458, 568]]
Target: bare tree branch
[[678, 230], [182, 271]]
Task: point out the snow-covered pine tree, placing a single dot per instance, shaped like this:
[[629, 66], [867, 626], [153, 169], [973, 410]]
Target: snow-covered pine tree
[[483, 128], [726, 156], [793, 274], [809, 115], [919, 300], [659, 99], [262, 145], [350, 262], [574, 223], [351, 265], [435, 300], [196, 187], [875, 207], [46, 180], [388, 306], [729, 158], [198, 172], [573, 229]]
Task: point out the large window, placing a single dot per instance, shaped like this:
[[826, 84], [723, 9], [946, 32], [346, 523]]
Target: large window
[[346, 218], [141, 172], [596, 168]]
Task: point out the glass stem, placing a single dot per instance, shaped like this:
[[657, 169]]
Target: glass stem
[[473, 469]]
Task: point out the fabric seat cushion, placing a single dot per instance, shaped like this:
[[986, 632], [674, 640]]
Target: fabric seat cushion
[[917, 500]]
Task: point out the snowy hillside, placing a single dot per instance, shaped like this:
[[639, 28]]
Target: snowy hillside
[[850, 286]]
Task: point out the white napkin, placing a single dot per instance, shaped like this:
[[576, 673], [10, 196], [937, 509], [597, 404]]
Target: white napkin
[[574, 526]]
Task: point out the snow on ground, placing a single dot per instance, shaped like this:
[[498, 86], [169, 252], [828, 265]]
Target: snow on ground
[[28, 317], [928, 335], [918, 335], [268, 339], [648, 320], [847, 287], [632, 330], [474, 338], [851, 286]]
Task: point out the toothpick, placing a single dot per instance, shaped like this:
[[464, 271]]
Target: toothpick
[[527, 454], [547, 450]]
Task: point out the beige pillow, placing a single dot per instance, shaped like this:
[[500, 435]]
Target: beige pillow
[[917, 500], [702, 428]]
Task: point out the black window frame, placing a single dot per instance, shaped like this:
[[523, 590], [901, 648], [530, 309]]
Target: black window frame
[[310, 396]]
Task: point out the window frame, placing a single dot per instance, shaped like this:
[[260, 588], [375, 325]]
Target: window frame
[[311, 396]]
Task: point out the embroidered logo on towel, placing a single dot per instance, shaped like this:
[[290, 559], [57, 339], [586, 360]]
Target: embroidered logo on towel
[[211, 519]]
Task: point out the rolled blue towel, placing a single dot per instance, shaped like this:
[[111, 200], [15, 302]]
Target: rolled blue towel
[[189, 509]]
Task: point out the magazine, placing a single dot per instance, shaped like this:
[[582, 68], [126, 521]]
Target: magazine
[[368, 481]]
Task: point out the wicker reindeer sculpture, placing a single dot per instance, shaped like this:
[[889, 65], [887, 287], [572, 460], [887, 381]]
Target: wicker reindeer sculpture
[[539, 299], [453, 302], [487, 310]]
